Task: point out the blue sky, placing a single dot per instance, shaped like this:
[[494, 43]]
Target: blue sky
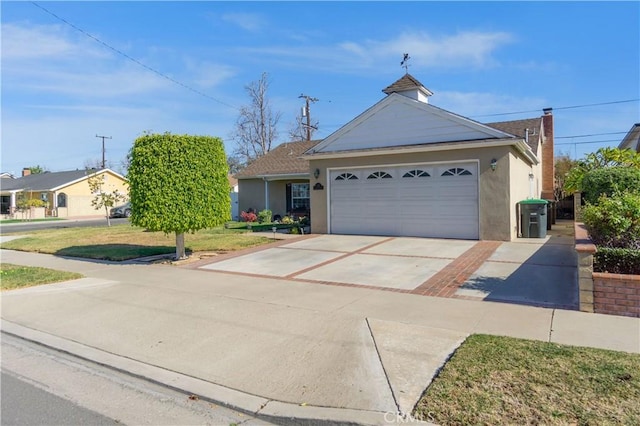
[[61, 87]]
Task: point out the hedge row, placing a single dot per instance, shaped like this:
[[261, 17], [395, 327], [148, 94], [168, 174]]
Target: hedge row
[[617, 261]]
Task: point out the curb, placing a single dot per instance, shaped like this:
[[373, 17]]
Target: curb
[[260, 407]]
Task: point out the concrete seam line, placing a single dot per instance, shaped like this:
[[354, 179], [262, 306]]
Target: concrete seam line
[[246, 402], [68, 346], [386, 376], [553, 315]]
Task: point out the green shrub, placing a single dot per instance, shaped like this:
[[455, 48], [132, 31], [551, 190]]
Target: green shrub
[[288, 220], [614, 221], [265, 216], [617, 261], [609, 181]]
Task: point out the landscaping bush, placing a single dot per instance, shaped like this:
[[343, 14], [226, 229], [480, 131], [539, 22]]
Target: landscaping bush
[[614, 221], [265, 216], [609, 181], [288, 220], [617, 261], [248, 216]]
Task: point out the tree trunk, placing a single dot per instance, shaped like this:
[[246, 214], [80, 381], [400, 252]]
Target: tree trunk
[[180, 252], [106, 212]]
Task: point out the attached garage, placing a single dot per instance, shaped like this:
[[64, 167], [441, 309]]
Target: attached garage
[[438, 200], [407, 168]]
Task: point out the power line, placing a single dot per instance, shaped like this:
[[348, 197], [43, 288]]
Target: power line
[[586, 136], [581, 143], [119, 52], [560, 108]]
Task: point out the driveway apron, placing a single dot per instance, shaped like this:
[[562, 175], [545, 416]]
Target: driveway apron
[[538, 272]]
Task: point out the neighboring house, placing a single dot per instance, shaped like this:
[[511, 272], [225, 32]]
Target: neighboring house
[[66, 194], [632, 139], [233, 185], [6, 175], [407, 168], [278, 181]]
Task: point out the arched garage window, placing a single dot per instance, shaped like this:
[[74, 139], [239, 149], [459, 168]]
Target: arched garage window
[[415, 173], [379, 175], [62, 199], [457, 171], [346, 176]]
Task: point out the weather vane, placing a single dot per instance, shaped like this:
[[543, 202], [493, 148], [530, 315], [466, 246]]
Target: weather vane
[[405, 62]]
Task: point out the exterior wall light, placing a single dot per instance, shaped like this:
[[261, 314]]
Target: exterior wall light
[[494, 164], [316, 173]]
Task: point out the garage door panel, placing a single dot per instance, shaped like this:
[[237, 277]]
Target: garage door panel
[[440, 206]]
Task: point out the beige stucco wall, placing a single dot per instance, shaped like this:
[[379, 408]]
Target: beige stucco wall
[[79, 195], [520, 187], [496, 206], [251, 194]]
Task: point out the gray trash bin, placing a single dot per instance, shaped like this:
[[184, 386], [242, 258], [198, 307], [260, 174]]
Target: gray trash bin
[[533, 218]]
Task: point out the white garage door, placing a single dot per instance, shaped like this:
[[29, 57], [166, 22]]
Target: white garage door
[[429, 200]]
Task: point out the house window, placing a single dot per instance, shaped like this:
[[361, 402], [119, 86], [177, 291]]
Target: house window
[[62, 199], [347, 176], [457, 172], [415, 173], [379, 175], [300, 196]]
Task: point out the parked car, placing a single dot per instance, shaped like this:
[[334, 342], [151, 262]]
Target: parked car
[[121, 211]]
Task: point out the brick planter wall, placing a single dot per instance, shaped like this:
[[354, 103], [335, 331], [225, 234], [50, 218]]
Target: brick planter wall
[[614, 294], [584, 250]]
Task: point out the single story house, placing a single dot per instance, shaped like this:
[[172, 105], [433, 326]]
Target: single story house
[[632, 139], [66, 194], [278, 181], [405, 167], [233, 188]]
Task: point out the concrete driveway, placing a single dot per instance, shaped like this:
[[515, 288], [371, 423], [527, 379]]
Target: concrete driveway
[[538, 272]]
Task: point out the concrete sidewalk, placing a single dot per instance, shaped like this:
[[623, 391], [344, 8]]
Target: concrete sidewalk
[[276, 348]]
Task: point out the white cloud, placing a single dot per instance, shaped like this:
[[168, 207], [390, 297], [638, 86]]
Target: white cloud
[[246, 21], [476, 104], [468, 49], [22, 42], [208, 74]]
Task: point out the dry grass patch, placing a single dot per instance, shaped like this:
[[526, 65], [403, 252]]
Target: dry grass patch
[[16, 276], [500, 380], [124, 242]]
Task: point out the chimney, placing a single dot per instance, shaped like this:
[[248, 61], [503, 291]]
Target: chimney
[[548, 160], [26, 171]]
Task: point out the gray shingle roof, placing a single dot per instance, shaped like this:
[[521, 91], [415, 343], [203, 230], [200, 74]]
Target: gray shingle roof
[[404, 83], [517, 128], [43, 181], [283, 159]]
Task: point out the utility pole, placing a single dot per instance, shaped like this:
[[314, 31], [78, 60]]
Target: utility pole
[[103, 138], [306, 112]]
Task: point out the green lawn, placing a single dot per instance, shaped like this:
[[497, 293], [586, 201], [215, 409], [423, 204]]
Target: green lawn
[[493, 380], [16, 276], [122, 242]]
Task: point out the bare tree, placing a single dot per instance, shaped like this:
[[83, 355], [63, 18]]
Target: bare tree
[[298, 130], [255, 129]]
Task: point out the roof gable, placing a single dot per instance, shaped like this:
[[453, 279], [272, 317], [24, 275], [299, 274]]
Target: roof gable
[[50, 181], [282, 160], [632, 139], [401, 121], [519, 128]]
